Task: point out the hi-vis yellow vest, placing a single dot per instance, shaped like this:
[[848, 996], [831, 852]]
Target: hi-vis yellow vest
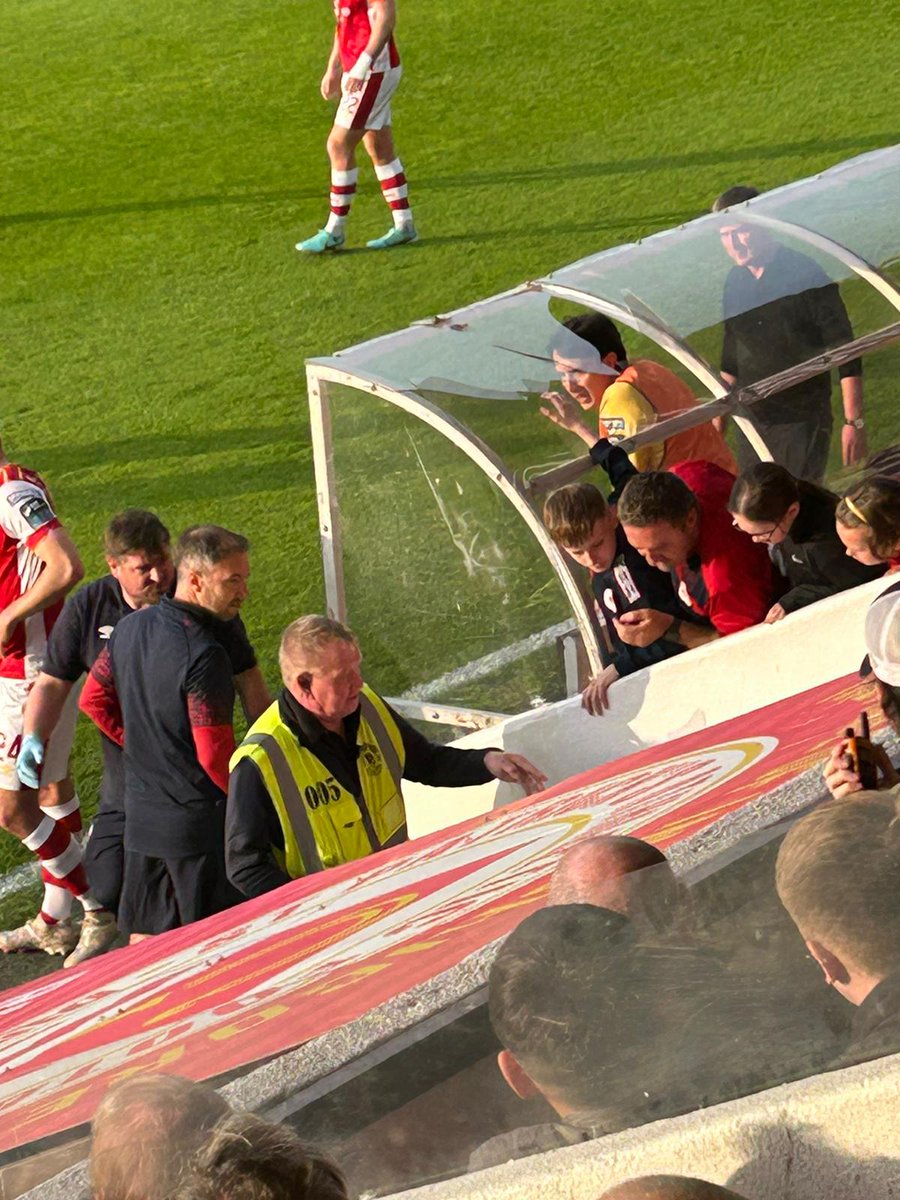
[[323, 824]]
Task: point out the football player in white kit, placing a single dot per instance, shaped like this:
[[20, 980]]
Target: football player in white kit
[[363, 70]]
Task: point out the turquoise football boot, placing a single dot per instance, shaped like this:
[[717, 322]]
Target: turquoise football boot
[[320, 242], [395, 237]]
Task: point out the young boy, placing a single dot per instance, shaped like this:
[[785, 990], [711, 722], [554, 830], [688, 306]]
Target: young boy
[[581, 521]]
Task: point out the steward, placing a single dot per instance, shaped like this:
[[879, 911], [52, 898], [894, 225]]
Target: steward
[[317, 780]]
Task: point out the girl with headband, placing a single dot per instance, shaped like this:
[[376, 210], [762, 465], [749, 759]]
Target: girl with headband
[[868, 522]]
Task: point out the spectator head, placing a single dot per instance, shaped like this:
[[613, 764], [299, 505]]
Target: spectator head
[[600, 1022], [746, 244], [145, 1131], [661, 518], [868, 520], [545, 986], [764, 502], [320, 660], [589, 355], [139, 556], [882, 660], [247, 1158], [213, 567], [579, 519], [739, 194], [621, 874], [669, 1187], [836, 875]]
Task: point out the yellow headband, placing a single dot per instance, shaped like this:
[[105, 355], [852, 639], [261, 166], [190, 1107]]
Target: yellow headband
[[856, 510]]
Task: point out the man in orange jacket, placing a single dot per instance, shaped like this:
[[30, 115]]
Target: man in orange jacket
[[626, 398]]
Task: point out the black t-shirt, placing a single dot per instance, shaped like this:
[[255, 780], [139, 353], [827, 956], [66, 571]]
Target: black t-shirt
[[84, 628], [791, 313], [171, 675]]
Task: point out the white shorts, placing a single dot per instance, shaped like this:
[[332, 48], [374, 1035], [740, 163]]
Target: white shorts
[[13, 694], [370, 107]]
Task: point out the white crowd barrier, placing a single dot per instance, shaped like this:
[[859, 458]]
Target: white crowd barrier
[[699, 688]]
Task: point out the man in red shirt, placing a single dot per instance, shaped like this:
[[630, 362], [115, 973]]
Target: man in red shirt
[[363, 71], [38, 565], [679, 521]]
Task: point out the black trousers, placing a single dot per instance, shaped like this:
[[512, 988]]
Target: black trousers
[[159, 894], [800, 446]]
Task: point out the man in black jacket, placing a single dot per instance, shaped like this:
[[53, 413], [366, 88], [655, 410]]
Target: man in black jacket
[[164, 689], [141, 572]]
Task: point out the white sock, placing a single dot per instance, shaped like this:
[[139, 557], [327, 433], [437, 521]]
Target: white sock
[[395, 191], [343, 189]]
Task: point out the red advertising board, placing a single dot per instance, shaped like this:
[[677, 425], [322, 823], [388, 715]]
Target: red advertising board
[[292, 965]]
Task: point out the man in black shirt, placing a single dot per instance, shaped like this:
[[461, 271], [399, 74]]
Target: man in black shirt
[[138, 555], [780, 309], [316, 781], [163, 687]]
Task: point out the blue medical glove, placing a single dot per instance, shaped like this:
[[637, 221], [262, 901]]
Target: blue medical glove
[[28, 764]]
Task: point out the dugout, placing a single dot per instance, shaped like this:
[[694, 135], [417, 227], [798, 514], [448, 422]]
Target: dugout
[[429, 445]]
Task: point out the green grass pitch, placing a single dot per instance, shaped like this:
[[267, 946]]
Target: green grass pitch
[[162, 159]]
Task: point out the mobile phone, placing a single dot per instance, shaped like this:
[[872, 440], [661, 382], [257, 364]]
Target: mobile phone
[[862, 753]]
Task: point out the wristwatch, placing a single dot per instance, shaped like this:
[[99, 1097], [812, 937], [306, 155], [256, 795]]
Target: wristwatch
[[855, 422]]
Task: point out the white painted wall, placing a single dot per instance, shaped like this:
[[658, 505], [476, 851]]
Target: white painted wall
[[835, 1137], [697, 689]]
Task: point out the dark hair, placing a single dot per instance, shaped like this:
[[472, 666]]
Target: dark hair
[[606, 1022], [765, 491], [598, 331], [202, 546], [247, 1158], [654, 496], [542, 984], [738, 194], [877, 499], [145, 1130], [135, 531], [571, 512]]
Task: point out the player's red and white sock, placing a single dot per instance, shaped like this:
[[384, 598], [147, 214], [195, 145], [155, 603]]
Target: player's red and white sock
[[68, 814], [61, 858], [56, 903], [343, 189], [395, 191]]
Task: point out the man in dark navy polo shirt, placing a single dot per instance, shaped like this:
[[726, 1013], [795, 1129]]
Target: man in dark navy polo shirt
[[163, 688], [679, 521], [138, 554]]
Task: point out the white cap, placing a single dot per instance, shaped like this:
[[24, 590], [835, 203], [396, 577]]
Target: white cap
[[883, 637]]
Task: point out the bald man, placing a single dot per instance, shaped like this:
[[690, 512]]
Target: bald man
[[669, 1187], [622, 874]]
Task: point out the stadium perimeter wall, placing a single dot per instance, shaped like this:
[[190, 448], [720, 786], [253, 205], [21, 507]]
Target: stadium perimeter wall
[[714, 683], [835, 1137]]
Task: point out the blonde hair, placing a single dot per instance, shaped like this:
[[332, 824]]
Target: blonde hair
[[303, 641], [247, 1158], [874, 504], [837, 873], [145, 1130]]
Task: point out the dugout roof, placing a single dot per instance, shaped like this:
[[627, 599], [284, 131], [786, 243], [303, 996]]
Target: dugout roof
[[415, 433]]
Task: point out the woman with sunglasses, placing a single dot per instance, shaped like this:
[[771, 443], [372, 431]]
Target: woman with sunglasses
[[868, 522], [795, 519]]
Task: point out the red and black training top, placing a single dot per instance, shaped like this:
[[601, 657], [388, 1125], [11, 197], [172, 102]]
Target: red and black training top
[[163, 688]]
